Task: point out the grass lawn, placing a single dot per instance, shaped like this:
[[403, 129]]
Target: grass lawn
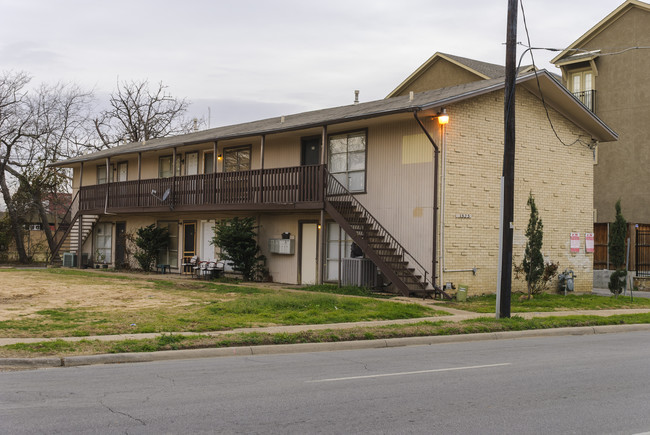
[[551, 302], [173, 342], [192, 306]]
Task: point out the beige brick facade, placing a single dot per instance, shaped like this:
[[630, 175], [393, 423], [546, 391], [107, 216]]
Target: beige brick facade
[[559, 177]]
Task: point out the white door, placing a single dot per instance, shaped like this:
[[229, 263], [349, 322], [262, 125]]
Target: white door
[[207, 249], [308, 251], [191, 163]]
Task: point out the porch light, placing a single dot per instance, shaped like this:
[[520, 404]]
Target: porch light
[[443, 117], [219, 157]]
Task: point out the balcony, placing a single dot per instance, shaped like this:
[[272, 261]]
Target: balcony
[[299, 187], [588, 98]]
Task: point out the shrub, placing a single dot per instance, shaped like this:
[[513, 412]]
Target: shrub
[[236, 239], [150, 241]]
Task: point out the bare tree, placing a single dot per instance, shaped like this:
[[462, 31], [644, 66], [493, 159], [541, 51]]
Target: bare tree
[[46, 125], [14, 123], [138, 113]]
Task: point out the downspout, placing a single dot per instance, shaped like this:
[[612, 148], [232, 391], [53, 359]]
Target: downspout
[[434, 259]]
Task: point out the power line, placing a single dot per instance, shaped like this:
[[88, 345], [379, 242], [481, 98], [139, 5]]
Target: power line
[[539, 87]]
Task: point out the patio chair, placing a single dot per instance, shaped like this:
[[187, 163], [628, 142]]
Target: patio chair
[[188, 266], [215, 268]]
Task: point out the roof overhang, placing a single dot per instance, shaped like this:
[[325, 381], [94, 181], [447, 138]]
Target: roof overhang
[[600, 26], [555, 95]]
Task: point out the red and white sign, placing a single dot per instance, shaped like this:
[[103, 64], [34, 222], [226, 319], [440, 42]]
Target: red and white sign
[[589, 242], [575, 242]]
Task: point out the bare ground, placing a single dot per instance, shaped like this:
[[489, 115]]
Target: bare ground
[[23, 293]]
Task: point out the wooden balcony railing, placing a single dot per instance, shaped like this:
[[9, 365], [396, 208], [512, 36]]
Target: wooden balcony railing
[[278, 186]]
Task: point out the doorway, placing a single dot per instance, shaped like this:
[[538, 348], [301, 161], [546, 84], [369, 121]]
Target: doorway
[[310, 150], [189, 243], [120, 245], [308, 253]]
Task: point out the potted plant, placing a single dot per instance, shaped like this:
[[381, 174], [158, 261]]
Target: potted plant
[[100, 258]]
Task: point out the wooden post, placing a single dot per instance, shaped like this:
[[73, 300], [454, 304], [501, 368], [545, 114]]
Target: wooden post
[[507, 211], [173, 195], [139, 176], [80, 223], [262, 143]]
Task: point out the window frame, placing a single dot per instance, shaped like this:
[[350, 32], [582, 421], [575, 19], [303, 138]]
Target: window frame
[[167, 256], [171, 157], [347, 171], [101, 170], [238, 148]]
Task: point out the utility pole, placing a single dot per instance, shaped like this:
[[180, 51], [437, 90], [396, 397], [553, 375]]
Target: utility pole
[[507, 207]]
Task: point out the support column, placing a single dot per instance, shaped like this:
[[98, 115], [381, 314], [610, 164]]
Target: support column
[[80, 223], [262, 143], [321, 250], [139, 176], [108, 182], [173, 194]]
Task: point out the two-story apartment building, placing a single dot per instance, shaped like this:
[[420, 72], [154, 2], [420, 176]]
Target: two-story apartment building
[[419, 197], [608, 69]]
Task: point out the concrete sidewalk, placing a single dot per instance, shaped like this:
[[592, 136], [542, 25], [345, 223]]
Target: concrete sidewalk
[[455, 316]]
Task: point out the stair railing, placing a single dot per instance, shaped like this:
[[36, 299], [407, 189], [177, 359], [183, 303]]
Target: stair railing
[[65, 225], [349, 205]]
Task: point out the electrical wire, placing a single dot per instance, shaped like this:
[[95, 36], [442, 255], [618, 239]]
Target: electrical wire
[[539, 87]]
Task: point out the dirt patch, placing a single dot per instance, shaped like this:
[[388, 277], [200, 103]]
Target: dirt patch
[[24, 293]]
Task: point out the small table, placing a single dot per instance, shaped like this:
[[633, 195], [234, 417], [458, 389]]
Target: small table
[[163, 268]]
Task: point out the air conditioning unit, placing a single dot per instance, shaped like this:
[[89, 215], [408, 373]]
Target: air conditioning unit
[[361, 272], [69, 259]]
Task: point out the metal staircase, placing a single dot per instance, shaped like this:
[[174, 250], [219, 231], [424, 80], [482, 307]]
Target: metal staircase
[[66, 236], [395, 262]]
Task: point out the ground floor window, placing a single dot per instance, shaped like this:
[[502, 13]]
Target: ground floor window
[[338, 246], [170, 255], [103, 243]]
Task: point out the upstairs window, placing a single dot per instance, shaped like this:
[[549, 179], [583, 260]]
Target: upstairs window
[[347, 160], [581, 84], [165, 166], [101, 174], [237, 159]]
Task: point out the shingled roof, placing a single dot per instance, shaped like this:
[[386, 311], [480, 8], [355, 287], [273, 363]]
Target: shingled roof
[[421, 101]]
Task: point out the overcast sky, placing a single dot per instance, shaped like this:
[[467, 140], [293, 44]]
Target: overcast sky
[[252, 59]]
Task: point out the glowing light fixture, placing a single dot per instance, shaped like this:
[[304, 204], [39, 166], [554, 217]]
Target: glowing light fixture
[[443, 117], [219, 157]]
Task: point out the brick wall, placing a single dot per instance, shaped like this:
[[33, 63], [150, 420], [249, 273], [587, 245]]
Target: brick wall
[[559, 177]]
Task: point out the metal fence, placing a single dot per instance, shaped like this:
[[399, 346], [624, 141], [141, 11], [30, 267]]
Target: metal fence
[[642, 251]]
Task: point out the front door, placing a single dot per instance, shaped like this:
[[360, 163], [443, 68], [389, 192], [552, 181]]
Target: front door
[[189, 242], [120, 244], [207, 248], [308, 253], [310, 150]]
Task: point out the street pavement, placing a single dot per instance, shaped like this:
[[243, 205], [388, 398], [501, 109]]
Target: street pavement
[[596, 384]]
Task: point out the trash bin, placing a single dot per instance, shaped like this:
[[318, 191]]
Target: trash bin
[[461, 294]]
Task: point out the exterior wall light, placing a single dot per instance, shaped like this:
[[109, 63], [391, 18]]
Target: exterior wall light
[[219, 157], [443, 117]]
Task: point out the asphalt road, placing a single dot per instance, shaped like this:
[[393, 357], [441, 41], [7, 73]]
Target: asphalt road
[[597, 384]]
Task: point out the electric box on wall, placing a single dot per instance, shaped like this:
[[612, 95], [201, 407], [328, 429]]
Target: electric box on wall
[[282, 246]]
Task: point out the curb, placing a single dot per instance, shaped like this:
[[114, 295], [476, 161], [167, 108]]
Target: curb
[[278, 349]]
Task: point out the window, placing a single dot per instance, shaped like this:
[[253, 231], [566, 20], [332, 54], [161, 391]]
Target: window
[[347, 160], [165, 166], [339, 245], [103, 242], [101, 174], [581, 84], [237, 159], [35, 227], [170, 255]]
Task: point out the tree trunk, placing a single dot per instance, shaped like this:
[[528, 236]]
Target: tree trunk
[[16, 230], [44, 221]]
